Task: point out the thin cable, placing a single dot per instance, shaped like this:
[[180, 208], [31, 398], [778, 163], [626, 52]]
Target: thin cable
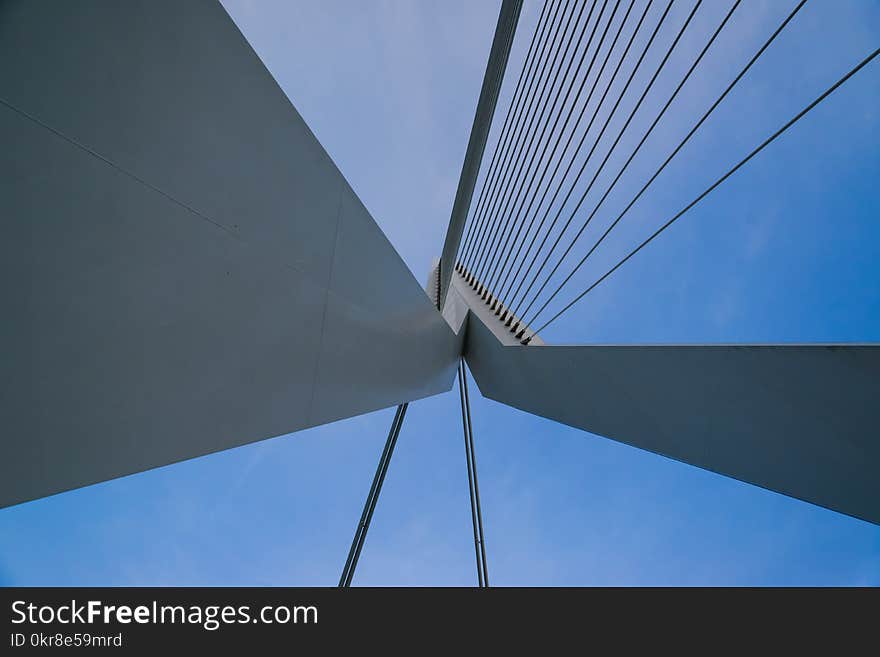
[[536, 69], [530, 134], [630, 159], [490, 182], [511, 218], [559, 135], [541, 110], [727, 175], [601, 166], [476, 482], [464, 424], [360, 535], [503, 137], [565, 148], [473, 484], [605, 161], [491, 203], [525, 191], [595, 143], [678, 148], [609, 55], [372, 498], [505, 140]]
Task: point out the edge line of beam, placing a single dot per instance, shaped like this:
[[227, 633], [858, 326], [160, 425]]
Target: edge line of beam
[[505, 29]]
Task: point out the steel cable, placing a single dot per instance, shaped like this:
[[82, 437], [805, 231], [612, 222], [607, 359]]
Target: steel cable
[[712, 187]]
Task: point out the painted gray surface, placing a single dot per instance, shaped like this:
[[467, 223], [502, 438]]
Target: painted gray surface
[[462, 299], [432, 282], [184, 268], [798, 420], [505, 29]]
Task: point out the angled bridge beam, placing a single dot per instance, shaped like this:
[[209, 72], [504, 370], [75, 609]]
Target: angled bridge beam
[[801, 420], [185, 268], [503, 39]]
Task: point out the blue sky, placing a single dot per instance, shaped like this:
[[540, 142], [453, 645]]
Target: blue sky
[[788, 250]]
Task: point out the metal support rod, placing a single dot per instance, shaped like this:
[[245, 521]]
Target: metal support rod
[[501, 42], [360, 534], [464, 424], [473, 485], [467, 403]]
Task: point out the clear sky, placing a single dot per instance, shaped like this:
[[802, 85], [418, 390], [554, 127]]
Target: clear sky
[[788, 250]]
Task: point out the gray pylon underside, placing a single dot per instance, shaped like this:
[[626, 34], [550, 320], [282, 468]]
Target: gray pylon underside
[[186, 271], [795, 419]]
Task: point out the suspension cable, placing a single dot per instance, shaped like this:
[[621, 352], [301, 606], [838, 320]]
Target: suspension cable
[[613, 77], [503, 201], [595, 143], [577, 123], [360, 534], [605, 161], [512, 218], [525, 110], [681, 145], [502, 282], [467, 242], [713, 186], [473, 484]]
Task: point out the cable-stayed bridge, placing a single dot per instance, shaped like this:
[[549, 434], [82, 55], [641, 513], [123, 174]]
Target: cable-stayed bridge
[[178, 302]]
